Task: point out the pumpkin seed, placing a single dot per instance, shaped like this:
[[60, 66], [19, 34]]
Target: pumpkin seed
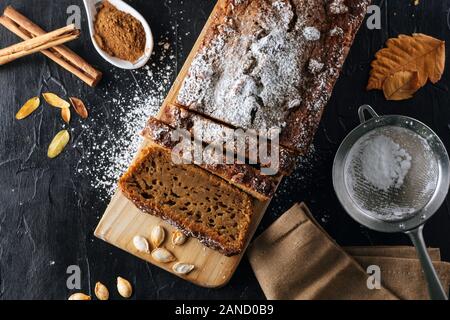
[[182, 268], [65, 114], [178, 238], [28, 108], [58, 144], [124, 287], [55, 101], [141, 244], [101, 291], [163, 255], [157, 236], [79, 296], [79, 107]]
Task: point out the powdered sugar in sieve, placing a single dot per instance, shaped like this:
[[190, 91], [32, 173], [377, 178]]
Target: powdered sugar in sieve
[[391, 173]]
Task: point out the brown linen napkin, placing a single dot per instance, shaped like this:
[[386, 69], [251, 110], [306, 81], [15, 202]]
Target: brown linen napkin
[[294, 259], [407, 252], [319, 269], [397, 268], [404, 277]]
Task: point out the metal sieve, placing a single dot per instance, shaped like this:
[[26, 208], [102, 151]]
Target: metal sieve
[[405, 205]]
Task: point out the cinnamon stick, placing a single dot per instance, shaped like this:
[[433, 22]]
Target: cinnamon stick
[[66, 58], [50, 53], [38, 43]]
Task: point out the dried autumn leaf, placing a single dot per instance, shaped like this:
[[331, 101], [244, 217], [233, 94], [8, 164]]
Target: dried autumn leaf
[[79, 107], [65, 114], [55, 101], [58, 144], [28, 108], [401, 85], [419, 52]]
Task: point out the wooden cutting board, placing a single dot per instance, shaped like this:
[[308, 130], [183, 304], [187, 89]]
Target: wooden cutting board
[[122, 220]]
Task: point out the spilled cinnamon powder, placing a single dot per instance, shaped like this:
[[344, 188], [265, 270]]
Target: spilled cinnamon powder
[[119, 34]]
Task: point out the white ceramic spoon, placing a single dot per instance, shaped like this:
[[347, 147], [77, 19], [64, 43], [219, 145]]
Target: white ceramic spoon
[[91, 10]]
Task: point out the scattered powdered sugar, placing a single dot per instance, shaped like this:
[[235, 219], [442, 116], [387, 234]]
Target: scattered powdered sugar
[[311, 33], [315, 66], [110, 137], [338, 7], [384, 163], [336, 31]]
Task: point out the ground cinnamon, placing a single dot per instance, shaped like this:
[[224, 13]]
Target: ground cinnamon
[[119, 34]]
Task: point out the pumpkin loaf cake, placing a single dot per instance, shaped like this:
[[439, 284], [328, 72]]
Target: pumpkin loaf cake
[[243, 176], [210, 131], [262, 64], [198, 203], [272, 64]]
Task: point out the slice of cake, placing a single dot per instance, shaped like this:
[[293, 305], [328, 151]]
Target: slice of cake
[[243, 176], [200, 204], [210, 131]]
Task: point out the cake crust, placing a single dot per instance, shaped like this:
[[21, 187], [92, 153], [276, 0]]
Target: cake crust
[[200, 204], [243, 176]]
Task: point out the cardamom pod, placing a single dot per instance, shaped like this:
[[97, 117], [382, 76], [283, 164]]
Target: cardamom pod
[[65, 114], [28, 108], [55, 101], [79, 107], [58, 144]]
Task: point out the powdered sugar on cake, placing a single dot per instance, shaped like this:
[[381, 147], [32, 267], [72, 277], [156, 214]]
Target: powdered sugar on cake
[[338, 7], [256, 71], [311, 33], [252, 80]]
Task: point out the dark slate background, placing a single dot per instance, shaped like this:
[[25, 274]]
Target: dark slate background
[[48, 213]]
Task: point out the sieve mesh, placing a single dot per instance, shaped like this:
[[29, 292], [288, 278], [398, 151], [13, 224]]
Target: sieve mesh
[[394, 203]]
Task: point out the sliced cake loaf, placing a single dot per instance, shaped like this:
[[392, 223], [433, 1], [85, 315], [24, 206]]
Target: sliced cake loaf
[[210, 131], [198, 203], [243, 176]]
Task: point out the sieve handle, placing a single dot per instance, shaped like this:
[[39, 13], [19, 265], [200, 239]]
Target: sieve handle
[[435, 288], [369, 109]]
